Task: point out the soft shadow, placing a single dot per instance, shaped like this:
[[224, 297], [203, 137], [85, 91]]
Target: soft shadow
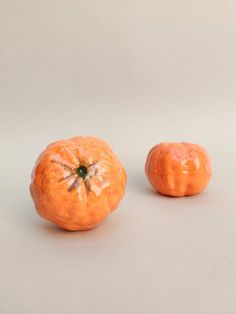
[[153, 192], [54, 230], [32, 222], [108, 226], [28, 220]]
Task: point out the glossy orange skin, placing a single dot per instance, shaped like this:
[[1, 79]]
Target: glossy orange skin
[[178, 169], [68, 200]]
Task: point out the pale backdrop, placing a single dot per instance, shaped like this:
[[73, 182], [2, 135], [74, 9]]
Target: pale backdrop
[[133, 73]]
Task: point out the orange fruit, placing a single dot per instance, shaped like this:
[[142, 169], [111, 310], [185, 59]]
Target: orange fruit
[[178, 169], [76, 183]]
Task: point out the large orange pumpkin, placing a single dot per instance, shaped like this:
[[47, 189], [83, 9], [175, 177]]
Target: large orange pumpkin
[[76, 183], [178, 169]]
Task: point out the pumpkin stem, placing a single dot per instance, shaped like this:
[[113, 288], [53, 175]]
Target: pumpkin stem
[[82, 171]]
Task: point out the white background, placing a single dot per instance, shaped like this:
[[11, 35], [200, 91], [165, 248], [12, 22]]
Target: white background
[[134, 73]]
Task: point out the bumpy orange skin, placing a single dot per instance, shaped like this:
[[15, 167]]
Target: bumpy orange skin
[[178, 169], [70, 201]]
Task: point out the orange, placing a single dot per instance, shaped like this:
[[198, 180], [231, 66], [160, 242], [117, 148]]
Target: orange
[[76, 183], [178, 169]]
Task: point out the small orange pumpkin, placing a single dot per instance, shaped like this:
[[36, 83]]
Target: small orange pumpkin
[[178, 169], [76, 183]]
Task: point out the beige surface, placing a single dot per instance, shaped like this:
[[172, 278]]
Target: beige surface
[[133, 73]]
